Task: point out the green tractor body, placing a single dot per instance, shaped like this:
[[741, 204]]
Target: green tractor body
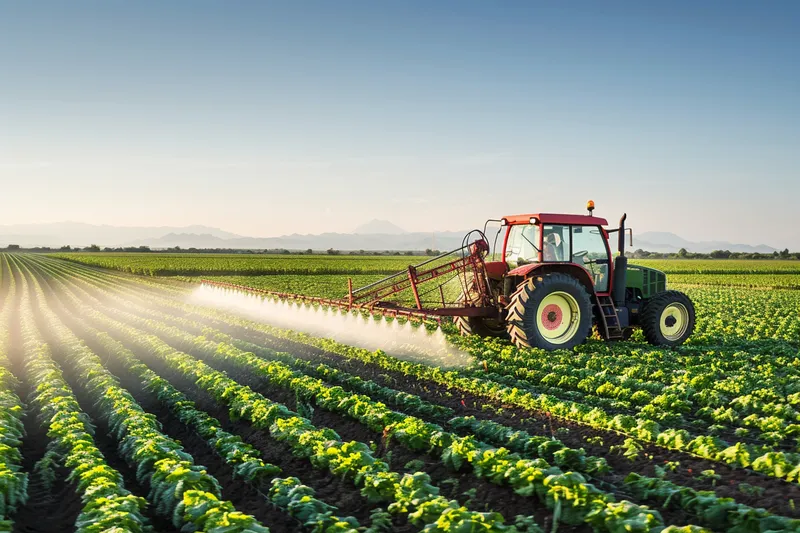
[[643, 282]]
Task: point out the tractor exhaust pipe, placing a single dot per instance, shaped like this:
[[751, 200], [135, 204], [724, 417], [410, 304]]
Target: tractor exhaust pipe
[[620, 267]]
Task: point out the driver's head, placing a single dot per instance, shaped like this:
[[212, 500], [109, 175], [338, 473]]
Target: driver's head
[[552, 246], [553, 238]]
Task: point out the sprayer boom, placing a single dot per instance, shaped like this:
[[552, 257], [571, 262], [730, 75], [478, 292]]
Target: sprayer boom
[[465, 264]]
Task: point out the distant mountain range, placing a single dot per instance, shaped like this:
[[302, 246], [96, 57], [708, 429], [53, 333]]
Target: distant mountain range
[[80, 234], [661, 241], [323, 241], [372, 236]]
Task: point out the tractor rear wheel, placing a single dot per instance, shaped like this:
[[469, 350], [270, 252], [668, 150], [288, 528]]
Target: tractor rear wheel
[[478, 325], [550, 312], [668, 318]]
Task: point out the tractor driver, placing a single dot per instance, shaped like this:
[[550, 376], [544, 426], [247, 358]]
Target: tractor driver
[[553, 246]]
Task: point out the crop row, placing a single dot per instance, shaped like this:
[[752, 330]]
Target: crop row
[[214, 342], [725, 266], [209, 353], [752, 395], [156, 264], [243, 458], [180, 490], [715, 512], [106, 502], [774, 463], [721, 375], [788, 280], [552, 492], [761, 459], [13, 482]]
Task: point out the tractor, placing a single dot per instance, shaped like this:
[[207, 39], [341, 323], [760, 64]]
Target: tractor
[[556, 280]]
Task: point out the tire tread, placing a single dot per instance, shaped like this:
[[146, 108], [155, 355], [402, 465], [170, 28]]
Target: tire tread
[[520, 298]]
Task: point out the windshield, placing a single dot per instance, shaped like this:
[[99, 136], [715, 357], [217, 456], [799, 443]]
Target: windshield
[[522, 245]]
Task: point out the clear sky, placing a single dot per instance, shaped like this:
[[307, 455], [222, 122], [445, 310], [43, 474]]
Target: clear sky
[[267, 118]]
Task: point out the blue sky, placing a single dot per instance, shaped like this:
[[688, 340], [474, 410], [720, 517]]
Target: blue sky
[[267, 118]]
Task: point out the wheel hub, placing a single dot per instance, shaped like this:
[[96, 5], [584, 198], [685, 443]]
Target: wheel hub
[[674, 321], [558, 317]]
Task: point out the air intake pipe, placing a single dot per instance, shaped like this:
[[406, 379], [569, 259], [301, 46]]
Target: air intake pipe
[[620, 267]]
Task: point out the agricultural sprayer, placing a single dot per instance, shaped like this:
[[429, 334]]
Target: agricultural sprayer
[[546, 284]]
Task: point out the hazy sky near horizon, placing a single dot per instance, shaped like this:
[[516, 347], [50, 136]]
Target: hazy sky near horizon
[[268, 118]]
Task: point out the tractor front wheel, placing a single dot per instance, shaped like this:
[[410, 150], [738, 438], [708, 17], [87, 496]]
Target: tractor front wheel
[[550, 312], [668, 319]]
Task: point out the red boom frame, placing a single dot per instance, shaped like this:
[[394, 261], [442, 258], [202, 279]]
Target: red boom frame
[[372, 297]]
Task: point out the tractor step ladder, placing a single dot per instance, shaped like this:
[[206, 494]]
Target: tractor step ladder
[[611, 327]]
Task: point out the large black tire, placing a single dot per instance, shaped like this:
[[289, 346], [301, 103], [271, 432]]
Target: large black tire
[[476, 325], [534, 323], [668, 319]]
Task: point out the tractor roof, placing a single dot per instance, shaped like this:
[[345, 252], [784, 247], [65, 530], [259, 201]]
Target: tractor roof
[[555, 218]]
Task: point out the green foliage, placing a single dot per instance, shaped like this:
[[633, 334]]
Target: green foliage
[[45, 468], [719, 514], [241, 264], [380, 521], [105, 499], [175, 481], [316, 516], [736, 378]]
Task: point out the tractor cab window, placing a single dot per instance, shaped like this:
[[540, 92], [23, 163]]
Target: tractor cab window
[[522, 245], [556, 243], [589, 251]]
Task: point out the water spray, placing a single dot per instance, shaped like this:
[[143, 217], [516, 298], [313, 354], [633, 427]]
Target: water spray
[[399, 339]]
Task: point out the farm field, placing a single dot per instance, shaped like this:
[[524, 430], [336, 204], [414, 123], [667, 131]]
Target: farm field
[[240, 264], [125, 405], [755, 281], [246, 264], [723, 266], [321, 275]]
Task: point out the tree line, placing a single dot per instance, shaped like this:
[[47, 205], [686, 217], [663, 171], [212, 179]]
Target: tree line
[[683, 253]]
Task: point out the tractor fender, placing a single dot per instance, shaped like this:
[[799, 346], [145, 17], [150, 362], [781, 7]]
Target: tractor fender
[[571, 269]]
